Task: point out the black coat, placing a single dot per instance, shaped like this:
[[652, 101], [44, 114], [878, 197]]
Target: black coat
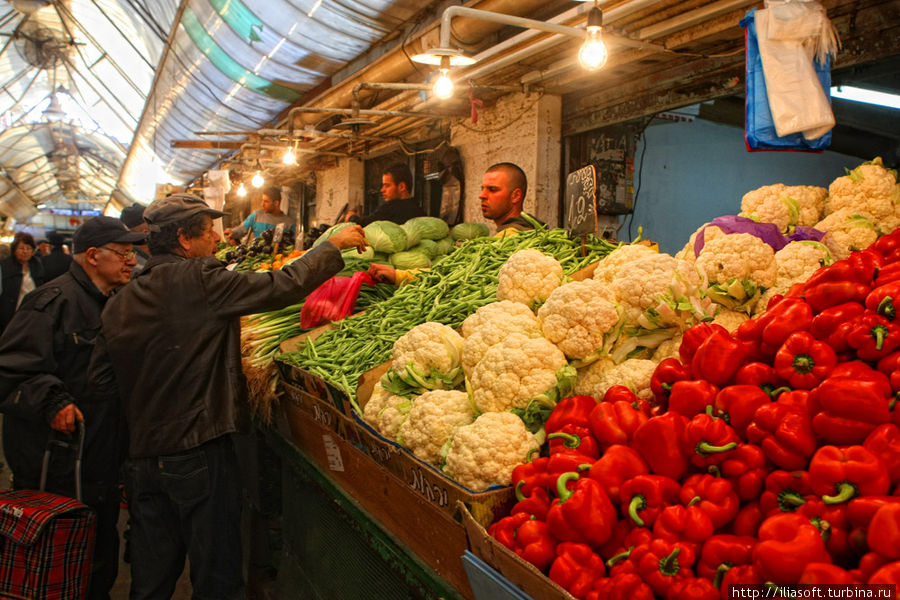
[[56, 263], [12, 283], [399, 210]]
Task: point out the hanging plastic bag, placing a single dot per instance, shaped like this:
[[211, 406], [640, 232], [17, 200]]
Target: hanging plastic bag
[[760, 130], [333, 300]]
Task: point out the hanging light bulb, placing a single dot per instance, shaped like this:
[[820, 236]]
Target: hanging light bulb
[[593, 53], [257, 180], [241, 191], [289, 158], [443, 86]]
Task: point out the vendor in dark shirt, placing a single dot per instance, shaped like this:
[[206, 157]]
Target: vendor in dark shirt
[[399, 205], [503, 190]]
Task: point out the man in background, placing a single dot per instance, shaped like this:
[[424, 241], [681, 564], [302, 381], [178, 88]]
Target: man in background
[[56, 262], [399, 205], [503, 190], [133, 218], [268, 216]]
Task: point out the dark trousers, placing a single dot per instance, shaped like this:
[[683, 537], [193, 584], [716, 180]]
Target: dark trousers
[[186, 504]]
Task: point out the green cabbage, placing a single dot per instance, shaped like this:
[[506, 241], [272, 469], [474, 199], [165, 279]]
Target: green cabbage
[[410, 259], [385, 236], [367, 254], [413, 235], [445, 245], [330, 232], [427, 247], [381, 257], [428, 228], [469, 231]]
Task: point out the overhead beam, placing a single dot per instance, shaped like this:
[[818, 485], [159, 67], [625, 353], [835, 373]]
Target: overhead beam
[[204, 145]]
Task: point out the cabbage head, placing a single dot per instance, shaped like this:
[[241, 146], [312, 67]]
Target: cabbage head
[[367, 254], [410, 259], [445, 245], [330, 232], [385, 236], [382, 257], [469, 231], [429, 228], [427, 247], [413, 235]]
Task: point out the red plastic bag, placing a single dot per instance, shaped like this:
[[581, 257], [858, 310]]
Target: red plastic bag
[[333, 300]]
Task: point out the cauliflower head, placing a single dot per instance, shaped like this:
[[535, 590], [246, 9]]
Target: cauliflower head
[[377, 402], [667, 349], [729, 319], [477, 344], [847, 230], [518, 371], [869, 188], [577, 316], [798, 260], [427, 357], [710, 232], [634, 373], [785, 206], [739, 267], [486, 452], [528, 276], [393, 415], [504, 313], [434, 417], [607, 268]]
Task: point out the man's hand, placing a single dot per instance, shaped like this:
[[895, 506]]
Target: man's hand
[[351, 236], [64, 420], [383, 273]]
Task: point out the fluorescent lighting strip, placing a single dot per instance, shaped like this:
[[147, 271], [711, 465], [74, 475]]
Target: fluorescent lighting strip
[[846, 92]]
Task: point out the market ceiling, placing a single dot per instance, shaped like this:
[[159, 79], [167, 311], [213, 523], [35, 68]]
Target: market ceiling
[[108, 98]]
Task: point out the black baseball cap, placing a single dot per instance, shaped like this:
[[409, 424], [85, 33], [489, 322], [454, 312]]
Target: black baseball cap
[[176, 207], [97, 231], [132, 215]]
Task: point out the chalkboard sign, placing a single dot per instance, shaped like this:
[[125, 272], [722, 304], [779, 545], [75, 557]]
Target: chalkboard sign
[[581, 200], [611, 151]]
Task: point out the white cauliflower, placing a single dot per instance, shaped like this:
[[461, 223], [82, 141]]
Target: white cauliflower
[[869, 188], [528, 276], [393, 415], [521, 373], [798, 260], [490, 324], [607, 268], [847, 230], [739, 267], [634, 373], [427, 357], [376, 403], [729, 319], [665, 291], [710, 232], [785, 206], [667, 349], [434, 417], [577, 316], [486, 452]]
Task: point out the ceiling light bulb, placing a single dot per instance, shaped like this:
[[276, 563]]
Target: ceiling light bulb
[[241, 191], [257, 180], [443, 86], [593, 53], [289, 158]]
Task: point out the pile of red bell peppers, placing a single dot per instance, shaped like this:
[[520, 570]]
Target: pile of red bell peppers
[[771, 455]]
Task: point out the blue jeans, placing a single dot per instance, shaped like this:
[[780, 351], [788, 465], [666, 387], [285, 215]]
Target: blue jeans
[[186, 504]]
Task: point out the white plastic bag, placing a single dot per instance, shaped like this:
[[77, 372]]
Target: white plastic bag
[[791, 34]]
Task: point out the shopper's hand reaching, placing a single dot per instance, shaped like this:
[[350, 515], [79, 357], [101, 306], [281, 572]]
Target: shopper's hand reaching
[[64, 420], [351, 236]]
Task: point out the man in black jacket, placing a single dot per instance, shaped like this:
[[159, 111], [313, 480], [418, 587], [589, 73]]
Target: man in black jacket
[[44, 356], [170, 343], [56, 262], [399, 205]]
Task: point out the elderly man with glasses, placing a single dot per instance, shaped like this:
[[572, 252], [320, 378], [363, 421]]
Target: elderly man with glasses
[[44, 390]]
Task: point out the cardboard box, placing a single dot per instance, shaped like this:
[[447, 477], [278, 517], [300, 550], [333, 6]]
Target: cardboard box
[[520, 573], [426, 480], [321, 411]]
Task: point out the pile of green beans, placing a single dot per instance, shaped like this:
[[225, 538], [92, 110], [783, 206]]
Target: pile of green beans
[[454, 288]]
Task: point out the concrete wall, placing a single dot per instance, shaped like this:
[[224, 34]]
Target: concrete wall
[[520, 128], [337, 187]]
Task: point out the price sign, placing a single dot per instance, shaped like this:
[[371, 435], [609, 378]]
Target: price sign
[[581, 200]]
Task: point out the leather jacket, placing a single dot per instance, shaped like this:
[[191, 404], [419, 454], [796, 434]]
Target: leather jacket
[[170, 342]]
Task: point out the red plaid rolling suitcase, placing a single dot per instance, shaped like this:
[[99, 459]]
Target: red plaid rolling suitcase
[[46, 540]]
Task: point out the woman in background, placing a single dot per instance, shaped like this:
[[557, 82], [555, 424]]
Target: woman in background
[[22, 272]]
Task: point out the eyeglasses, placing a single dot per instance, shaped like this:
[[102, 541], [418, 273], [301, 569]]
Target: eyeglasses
[[126, 256]]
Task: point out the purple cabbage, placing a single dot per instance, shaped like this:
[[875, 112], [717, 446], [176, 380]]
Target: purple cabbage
[[767, 232]]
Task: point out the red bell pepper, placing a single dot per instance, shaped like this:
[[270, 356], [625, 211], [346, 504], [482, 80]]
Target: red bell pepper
[[667, 372], [784, 432], [694, 337], [574, 410], [621, 393], [573, 439], [617, 465], [839, 474], [645, 496], [803, 361], [718, 358], [737, 404], [835, 284], [504, 530], [886, 575], [787, 543], [748, 520], [634, 537], [884, 531], [746, 468], [825, 574], [739, 575], [888, 272], [659, 442], [576, 568], [749, 333], [531, 474], [615, 422], [689, 524], [692, 588], [831, 519], [850, 408], [536, 505], [861, 510], [713, 495], [785, 491], [691, 397], [834, 323], [723, 551], [868, 564], [787, 317], [884, 442], [707, 440], [884, 299], [582, 514], [886, 245], [624, 586], [873, 337], [660, 563], [890, 366], [760, 374]]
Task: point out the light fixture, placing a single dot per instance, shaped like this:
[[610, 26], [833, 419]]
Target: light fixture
[[443, 85], [241, 191], [855, 94], [54, 111], [437, 56], [289, 158], [593, 53], [258, 179]]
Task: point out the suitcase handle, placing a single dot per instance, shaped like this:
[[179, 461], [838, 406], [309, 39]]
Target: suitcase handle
[[78, 446]]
